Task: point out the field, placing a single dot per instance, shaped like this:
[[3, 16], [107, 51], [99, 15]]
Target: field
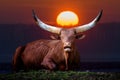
[[60, 75]]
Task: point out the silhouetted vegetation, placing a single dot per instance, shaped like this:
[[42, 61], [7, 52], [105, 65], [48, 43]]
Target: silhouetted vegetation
[[60, 75]]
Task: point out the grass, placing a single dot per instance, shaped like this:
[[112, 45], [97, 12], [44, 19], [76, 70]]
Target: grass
[[60, 75]]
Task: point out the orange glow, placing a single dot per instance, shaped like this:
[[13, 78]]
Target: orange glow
[[67, 19]]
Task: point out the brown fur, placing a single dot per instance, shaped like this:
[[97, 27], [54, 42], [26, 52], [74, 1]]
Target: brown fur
[[44, 54], [17, 61]]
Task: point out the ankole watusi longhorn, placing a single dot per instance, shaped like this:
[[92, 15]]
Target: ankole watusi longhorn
[[59, 53]]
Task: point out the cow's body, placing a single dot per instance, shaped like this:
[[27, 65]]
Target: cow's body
[[52, 54], [44, 54]]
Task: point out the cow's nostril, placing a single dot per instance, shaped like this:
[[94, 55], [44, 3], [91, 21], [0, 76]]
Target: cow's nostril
[[67, 47]]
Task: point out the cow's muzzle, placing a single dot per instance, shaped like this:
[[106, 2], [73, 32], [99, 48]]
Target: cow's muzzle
[[67, 49]]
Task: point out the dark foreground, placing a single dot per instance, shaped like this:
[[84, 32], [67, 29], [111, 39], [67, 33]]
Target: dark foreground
[[89, 66], [60, 75]]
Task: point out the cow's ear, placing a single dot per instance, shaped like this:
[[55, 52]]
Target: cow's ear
[[80, 36], [55, 37]]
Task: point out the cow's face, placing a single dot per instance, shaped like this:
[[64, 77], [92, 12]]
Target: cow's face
[[68, 37]]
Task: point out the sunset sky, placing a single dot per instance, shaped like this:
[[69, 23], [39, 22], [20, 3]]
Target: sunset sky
[[19, 11], [15, 14]]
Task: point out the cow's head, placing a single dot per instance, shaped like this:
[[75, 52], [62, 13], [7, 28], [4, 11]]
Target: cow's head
[[67, 36]]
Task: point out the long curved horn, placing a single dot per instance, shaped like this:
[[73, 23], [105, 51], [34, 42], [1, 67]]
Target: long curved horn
[[89, 25], [44, 26]]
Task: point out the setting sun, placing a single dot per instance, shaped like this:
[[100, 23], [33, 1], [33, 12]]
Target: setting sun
[[67, 19]]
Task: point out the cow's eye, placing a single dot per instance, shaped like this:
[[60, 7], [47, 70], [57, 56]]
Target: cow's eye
[[78, 36], [59, 37]]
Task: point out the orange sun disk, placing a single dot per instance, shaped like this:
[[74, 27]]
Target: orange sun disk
[[67, 19]]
